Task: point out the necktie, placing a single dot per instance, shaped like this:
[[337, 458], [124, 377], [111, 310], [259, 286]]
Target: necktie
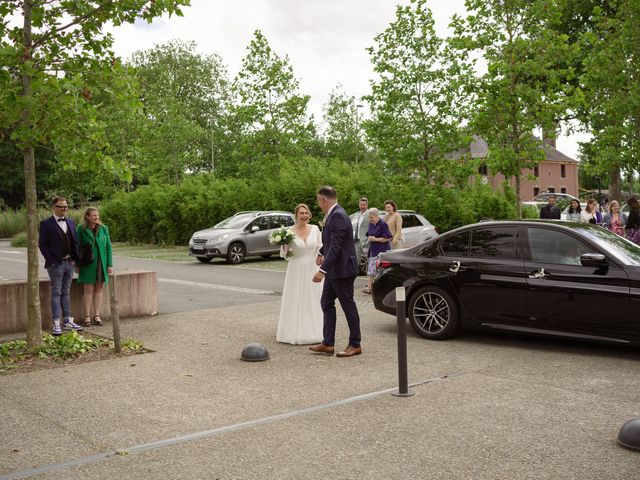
[[61, 219]]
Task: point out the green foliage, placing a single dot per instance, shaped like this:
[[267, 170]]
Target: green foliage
[[64, 346], [19, 240], [170, 214], [417, 104], [343, 131], [185, 97], [268, 120], [611, 90], [13, 222], [526, 83]]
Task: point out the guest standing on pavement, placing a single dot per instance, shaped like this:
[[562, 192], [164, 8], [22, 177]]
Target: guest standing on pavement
[[574, 211], [614, 220], [362, 225], [379, 241], [550, 211], [59, 246], [394, 222], [591, 214], [632, 228], [94, 275]]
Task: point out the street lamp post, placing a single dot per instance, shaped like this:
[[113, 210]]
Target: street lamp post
[[597, 179], [357, 131]]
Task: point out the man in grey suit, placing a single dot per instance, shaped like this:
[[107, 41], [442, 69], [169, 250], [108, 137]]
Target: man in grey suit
[[362, 226]]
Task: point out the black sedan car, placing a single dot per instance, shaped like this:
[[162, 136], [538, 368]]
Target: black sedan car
[[532, 276]]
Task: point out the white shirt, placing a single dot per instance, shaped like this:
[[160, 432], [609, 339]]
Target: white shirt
[[62, 225]]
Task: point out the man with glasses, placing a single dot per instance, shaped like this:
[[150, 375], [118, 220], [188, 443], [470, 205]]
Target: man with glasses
[[59, 246]]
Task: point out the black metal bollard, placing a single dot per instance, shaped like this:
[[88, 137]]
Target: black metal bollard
[[401, 316]]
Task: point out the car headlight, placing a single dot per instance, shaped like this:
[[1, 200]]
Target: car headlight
[[218, 239]]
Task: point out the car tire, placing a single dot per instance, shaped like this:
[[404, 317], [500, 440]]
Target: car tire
[[204, 259], [236, 253], [364, 265], [433, 313]]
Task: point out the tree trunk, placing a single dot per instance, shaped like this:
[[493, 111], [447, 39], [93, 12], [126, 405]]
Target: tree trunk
[[518, 202], [34, 322], [615, 184]]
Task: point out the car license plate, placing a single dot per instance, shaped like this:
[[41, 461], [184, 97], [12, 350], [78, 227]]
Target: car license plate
[[198, 247]]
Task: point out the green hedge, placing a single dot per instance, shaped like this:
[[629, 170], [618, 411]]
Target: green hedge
[[169, 214], [13, 222]]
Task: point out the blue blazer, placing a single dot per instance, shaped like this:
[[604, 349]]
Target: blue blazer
[[337, 246], [52, 241]]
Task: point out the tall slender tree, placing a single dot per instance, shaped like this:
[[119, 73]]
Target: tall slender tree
[[611, 86], [270, 115], [417, 103], [342, 127], [524, 84], [45, 62]]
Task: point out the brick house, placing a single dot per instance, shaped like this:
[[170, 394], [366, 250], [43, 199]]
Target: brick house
[[558, 173]]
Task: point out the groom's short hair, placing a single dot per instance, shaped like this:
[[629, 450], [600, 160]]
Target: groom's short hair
[[328, 192]]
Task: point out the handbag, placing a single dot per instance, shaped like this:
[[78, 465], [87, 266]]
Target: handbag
[[86, 254]]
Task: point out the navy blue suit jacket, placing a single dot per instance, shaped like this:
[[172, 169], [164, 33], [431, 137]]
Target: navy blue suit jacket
[[337, 246], [52, 241]]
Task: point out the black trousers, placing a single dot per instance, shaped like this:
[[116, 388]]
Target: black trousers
[[342, 289]]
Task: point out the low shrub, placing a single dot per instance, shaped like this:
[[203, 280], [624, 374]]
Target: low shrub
[[19, 240]]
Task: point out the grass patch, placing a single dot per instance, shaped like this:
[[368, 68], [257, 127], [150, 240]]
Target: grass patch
[[181, 254], [19, 240], [59, 351]]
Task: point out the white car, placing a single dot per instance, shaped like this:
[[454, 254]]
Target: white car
[[415, 229]]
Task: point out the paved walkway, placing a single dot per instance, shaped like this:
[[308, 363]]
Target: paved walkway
[[485, 407]]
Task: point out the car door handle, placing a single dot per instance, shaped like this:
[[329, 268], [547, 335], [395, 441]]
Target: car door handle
[[538, 274], [456, 267]]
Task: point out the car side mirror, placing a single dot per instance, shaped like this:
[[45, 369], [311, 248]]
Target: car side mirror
[[593, 260], [254, 229]]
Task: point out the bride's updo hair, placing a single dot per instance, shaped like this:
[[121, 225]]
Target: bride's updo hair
[[298, 207]]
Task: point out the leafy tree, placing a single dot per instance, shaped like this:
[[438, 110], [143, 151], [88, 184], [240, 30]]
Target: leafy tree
[[185, 97], [611, 86], [417, 103], [525, 84], [343, 130], [269, 118], [48, 65]]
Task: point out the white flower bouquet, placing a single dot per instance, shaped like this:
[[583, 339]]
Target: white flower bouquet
[[283, 237]]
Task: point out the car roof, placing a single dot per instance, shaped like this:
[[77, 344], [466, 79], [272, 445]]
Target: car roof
[[525, 221], [262, 212]]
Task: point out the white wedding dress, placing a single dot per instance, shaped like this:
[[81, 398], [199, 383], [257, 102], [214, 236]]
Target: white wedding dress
[[301, 319]]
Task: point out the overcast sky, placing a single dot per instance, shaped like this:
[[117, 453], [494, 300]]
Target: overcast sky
[[325, 40]]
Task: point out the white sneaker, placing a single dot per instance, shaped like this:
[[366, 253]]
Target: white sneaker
[[68, 324], [57, 331]]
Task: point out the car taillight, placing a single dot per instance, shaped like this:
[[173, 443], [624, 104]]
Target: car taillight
[[383, 263]]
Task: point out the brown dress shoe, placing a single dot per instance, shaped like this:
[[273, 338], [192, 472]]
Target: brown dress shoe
[[322, 348], [350, 351]]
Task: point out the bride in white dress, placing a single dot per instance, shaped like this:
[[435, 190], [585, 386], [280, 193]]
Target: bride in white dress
[[301, 317]]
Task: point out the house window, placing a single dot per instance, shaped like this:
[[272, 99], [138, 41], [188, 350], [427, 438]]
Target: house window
[[563, 171], [483, 170], [536, 171], [551, 190], [536, 191], [563, 190]]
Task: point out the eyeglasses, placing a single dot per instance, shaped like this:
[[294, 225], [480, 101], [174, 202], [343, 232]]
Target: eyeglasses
[[63, 207]]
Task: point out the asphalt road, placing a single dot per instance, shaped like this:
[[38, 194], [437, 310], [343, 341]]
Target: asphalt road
[[182, 286]]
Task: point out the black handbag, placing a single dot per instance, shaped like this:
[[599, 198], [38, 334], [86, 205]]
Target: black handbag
[[86, 253]]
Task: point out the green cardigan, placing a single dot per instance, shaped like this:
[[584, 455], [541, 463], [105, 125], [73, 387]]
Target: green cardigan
[[101, 247]]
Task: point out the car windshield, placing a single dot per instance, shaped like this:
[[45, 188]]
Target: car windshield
[[237, 221], [625, 251]]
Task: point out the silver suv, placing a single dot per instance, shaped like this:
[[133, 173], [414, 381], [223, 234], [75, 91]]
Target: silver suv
[[234, 238]]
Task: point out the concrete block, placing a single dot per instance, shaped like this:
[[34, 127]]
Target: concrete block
[[137, 293]]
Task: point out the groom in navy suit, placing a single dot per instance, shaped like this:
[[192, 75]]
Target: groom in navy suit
[[339, 268]]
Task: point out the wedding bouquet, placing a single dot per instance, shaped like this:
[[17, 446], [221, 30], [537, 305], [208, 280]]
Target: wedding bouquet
[[282, 237]]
